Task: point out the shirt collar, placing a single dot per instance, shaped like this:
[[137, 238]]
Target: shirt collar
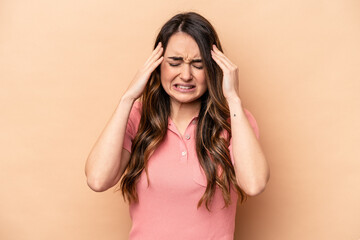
[[194, 120]]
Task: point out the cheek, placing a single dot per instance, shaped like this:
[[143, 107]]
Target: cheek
[[164, 69], [201, 77], [165, 76], [205, 87], [204, 82], [167, 72]]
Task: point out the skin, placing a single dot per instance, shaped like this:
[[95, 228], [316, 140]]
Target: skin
[[184, 105], [251, 168], [103, 168]]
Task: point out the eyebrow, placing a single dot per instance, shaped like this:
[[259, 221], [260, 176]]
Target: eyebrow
[[180, 58]]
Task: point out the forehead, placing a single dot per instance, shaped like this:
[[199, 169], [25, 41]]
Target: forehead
[[182, 44]]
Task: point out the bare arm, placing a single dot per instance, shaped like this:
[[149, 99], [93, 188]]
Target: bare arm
[[104, 165], [251, 168], [107, 160]]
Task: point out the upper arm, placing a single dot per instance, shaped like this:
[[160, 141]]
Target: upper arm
[[130, 132], [125, 158]]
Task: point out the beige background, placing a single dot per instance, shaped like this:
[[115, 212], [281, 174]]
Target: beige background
[[65, 64]]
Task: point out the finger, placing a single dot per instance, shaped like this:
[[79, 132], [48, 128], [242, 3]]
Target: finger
[[157, 56], [154, 65], [224, 60], [154, 53], [226, 63], [154, 57], [217, 51], [223, 57], [219, 62]]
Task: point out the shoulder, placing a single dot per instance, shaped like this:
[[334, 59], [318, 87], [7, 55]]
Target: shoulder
[[136, 107], [135, 112], [250, 117], [252, 122]]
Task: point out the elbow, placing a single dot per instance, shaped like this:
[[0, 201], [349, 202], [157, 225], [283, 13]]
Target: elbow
[[94, 182], [96, 185], [255, 191], [259, 188]]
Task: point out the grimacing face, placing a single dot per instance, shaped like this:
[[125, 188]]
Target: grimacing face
[[182, 70]]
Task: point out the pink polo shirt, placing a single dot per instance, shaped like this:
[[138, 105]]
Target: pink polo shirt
[[167, 209]]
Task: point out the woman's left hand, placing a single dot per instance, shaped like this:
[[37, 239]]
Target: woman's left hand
[[230, 83]]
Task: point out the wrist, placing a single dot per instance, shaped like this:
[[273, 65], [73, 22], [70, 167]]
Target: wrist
[[126, 98], [233, 99]]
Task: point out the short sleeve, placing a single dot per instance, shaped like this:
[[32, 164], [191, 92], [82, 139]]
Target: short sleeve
[[132, 125], [253, 124]]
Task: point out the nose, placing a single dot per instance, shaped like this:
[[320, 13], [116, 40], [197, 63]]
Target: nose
[[186, 73]]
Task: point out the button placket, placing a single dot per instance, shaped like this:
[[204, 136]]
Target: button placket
[[187, 137], [183, 151]]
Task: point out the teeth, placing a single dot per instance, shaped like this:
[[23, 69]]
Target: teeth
[[183, 87]]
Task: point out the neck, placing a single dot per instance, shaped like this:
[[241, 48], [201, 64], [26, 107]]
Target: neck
[[184, 111]]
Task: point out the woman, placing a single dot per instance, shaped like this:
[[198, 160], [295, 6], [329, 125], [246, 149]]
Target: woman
[[186, 139]]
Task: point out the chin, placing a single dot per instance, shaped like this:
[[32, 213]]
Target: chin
[[187, 100]]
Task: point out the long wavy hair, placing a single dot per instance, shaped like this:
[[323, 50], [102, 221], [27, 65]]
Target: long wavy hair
[[214, 117]]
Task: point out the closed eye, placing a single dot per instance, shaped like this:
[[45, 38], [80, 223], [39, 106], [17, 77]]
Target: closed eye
[[174, 65]]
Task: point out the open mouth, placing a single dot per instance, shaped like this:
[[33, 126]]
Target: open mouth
[[184, 87]]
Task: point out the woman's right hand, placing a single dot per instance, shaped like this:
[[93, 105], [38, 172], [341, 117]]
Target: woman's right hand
[[138, 83]]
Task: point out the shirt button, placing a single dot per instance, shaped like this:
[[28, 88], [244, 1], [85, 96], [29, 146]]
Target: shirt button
[[187, 136], [183, 153]]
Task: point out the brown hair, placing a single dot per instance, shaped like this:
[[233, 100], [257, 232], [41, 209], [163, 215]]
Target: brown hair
[[214, 117]]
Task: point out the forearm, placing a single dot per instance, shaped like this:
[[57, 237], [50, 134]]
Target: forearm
[[104, 161], [251, 168]]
